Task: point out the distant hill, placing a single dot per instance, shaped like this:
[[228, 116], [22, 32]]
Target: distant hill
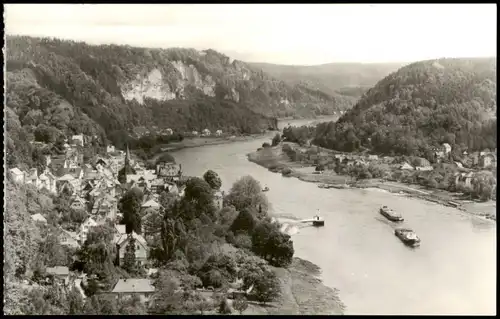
[[57, 87], [420, 106], [350, 79]]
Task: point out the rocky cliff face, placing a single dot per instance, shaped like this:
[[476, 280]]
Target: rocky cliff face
[[121, 87]]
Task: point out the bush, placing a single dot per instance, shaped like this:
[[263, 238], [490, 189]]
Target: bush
[[286, 171]]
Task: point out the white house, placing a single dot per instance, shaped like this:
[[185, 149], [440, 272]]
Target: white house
[[85, 228], [169, 131], [206, 132], [77, 139], [218, 132], [17, 175], [39, 218], [110, 149], [195, 133]]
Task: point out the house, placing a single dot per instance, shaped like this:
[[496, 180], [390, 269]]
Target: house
[[59, 273], [169, 131], [105, 207], [78, 203], [110, 149], [68, 239], [206, 132], [406, 166], [17, 175], [488, 160], [31, 177], [38, 218], [120, 230], [372, 157], [446, 148], [141, 247], [85, 228], [172, 188], [57, 164], [218, 133], [77, 140], [169, 171], [66, 183], [195, 133], [148, 206], [134, 286], [48, 181]]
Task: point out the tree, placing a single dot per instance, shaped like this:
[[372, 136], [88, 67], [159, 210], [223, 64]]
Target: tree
[[201, 303], [199, 191], [212, 179], [246, 193], [129, 262], [276, 139], [272, 245], [165, 158], [75, 302], [319, 168], [267, 287], [224, 308], [240, 304], [244, 222], [130, 205]]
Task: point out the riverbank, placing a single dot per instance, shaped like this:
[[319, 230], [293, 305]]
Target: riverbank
[[302, 293], [190, 142], [275, 160]]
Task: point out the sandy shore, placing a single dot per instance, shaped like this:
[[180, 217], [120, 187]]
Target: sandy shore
[[204, 141], [275, 160], [303, 293]]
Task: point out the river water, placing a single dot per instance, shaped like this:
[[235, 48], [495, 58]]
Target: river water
[[452, 272]]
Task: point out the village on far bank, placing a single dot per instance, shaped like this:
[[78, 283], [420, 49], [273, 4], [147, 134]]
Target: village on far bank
[[94, 190]]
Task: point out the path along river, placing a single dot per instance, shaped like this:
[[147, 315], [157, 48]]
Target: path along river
[[453, 272]]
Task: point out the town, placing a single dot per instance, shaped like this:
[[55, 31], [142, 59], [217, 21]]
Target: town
[[93, 190]]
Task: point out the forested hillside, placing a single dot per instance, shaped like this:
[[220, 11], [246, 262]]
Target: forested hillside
[[120, 87], [420, 106], [345, 79]]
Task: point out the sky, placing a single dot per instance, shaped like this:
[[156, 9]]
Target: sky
[[294, 34]]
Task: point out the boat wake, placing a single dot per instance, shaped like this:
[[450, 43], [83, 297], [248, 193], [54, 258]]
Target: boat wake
[[289, 228]]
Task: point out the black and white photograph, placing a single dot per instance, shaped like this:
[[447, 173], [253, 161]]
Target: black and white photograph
[[250, 159]]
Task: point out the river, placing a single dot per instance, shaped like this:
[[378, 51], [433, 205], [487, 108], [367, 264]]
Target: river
[[452, 272]]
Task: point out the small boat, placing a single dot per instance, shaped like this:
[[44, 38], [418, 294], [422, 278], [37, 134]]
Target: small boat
[[318, 221], [407, 236], [391, 214], [266, 189]]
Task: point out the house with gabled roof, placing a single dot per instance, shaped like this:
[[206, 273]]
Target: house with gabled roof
[[68, 239], [78, 203], [85, 228], [141, 247], [134, 287], [59, 273]]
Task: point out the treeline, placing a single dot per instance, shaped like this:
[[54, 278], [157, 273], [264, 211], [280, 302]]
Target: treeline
[[420, 107]]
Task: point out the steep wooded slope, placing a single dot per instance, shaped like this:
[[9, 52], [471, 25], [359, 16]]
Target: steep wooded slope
[[420, 106]]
